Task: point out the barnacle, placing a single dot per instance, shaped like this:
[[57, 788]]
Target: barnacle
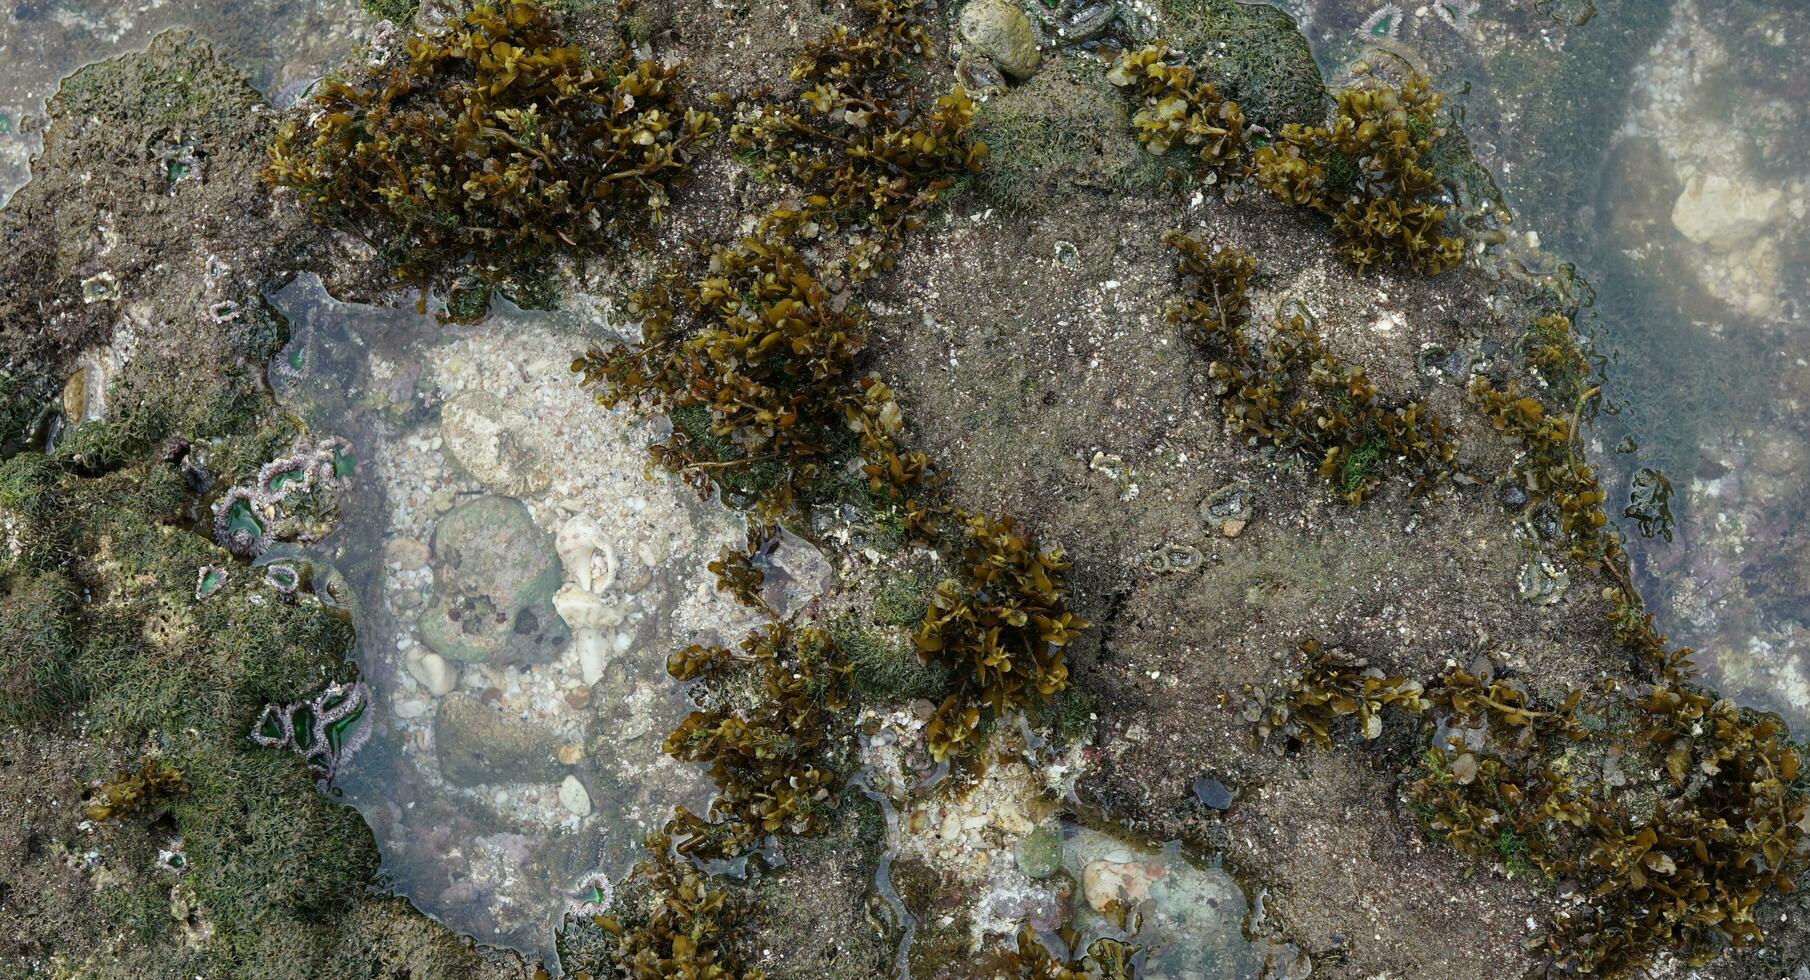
[[1293, 392], [769, 757], [492, 142], [153, 781], [1178, 109], [1368, 172], [999, 626]]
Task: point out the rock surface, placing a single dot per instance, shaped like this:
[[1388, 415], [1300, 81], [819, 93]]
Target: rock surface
[[477, 744], [999, 31], [1722, 213], [495, 576]]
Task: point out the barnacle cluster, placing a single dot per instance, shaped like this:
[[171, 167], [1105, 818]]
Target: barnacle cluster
[[291, 499], [492, 143], [326, 730], [769, 754], [1292, 392], [854, 141], [1334, 685], [153, 781], [999, 626], [1369, 172], [1176, 108], [675, 922]]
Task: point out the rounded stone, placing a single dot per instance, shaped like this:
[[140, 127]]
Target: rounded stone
[[573, 797], [477, 744], [491, 440], [495, 574], [999, 31], [1039, 853]]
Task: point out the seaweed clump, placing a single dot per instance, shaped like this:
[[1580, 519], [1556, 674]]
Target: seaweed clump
[[492, 142], [153, 781], [1333, 686], [768, 758], [1179, 109], [763, 334], [677, 923], [1293, 392], [853, 140], [1369, 172], [761, 343], [1000, 626]]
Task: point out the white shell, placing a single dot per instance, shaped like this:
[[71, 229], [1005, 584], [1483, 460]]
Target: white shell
[[582, 549], [583, 610], [435, 673], [593, 653]]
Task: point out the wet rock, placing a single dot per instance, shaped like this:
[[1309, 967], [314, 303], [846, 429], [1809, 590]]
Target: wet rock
[[495, 576], [476, 744], [1214, 793], [1720, 212], [1002, 33], [1542, 582], [488, 438], [573, 797], [1039, 853], [1104, 882]]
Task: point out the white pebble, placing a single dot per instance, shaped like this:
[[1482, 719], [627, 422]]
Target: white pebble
[[573, 797]]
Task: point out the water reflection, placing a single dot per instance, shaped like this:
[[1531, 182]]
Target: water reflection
[[517, 582], [1662, 148]]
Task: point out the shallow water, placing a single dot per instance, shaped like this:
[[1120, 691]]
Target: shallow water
[[281, 45], [1659, 147], [501, 531]]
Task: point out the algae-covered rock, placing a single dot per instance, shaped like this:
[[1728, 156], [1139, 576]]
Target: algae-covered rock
[[1064, 131], [495, 578], [1039, 853], [1000, 31], [476, 743], [1254, 54]]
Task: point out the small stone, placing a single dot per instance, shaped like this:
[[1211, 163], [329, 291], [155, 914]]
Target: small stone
[[573, 797], [1720, 212], [571, 754], [410, 708], [922, 709], [477, 744], [1039, 853], [408, 554], [434, 673], [1232, 528], [1000, 31], [578, 697]]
